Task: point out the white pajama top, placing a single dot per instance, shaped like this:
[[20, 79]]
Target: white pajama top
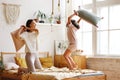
[[30, 38]]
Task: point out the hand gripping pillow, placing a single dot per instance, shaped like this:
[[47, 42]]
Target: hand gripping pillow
[[89, 17]]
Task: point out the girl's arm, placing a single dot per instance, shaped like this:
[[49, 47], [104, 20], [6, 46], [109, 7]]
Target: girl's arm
[[76, 13], [79, 20], [69, 19]]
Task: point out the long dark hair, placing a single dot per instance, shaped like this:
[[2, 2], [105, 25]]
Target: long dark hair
[[29, 21], [75, 24]]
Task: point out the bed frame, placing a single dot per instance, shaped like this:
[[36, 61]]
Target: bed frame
[[8, 76], [5, 75]]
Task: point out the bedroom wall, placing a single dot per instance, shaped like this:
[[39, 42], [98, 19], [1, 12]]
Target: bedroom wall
[[110, 66], [27, 9]]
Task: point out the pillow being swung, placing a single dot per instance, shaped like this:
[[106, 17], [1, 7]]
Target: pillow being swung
[[89, 17]]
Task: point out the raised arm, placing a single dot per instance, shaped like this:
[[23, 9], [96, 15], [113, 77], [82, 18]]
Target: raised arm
[[21, 30], [76, 13], [69, 18], [79, 20]]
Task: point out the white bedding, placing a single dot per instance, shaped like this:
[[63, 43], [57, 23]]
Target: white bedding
[[61, 73], [56, 73]]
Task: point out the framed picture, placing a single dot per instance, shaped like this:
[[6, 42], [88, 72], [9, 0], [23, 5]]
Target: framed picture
[[60, 46]]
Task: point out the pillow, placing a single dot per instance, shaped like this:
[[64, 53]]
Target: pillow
[[7, 57], [21, 62], [89, 17], [18, 43], [47, 65], [46, 59], [9, 66], [46, 62]]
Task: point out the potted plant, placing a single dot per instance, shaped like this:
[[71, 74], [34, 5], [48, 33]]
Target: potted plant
[[40, 16], [58, 19]]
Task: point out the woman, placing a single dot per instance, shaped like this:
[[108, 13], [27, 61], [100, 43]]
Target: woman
[[72, 27], [29, 34]]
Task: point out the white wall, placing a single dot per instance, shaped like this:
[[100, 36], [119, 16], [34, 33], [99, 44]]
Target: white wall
[[48, 35], [27, 9]]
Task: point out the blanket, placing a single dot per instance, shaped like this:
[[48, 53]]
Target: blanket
[[59, 74], [54, 73]]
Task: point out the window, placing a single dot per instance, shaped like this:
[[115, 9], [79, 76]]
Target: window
[[100, 0], [107, 40], [85, 37], [87, 2], [114, 17], [76, 3]]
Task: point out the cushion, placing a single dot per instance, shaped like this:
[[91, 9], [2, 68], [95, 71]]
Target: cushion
[[9, 66], [46, 59], [7, 57], [89, 17], [19, 43], [47, 65], [46, 62], [21, 62]]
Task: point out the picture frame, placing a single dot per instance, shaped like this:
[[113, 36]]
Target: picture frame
[[60, 46]]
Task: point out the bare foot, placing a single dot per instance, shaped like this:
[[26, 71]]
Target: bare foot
[[75, 67]]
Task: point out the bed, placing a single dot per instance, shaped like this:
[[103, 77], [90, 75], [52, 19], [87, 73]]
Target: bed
[[51, 73]]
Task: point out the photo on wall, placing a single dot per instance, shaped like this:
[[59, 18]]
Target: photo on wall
[[60, 46]]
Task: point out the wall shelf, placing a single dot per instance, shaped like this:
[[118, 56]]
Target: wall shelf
[[49, 24]]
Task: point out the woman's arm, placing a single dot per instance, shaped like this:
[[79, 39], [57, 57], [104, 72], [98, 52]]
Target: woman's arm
[[21, 30], [36, 30]]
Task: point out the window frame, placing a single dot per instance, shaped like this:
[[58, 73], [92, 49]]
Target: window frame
[[96, 4]]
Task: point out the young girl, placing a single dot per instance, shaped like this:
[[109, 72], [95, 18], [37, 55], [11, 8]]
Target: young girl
[[72, 27], [29, 34]]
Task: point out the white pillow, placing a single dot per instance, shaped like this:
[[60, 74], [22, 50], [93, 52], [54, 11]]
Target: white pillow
[[10, 65]]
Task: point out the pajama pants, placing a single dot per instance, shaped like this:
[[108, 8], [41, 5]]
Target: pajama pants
[[72, 47], [32, 62]]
